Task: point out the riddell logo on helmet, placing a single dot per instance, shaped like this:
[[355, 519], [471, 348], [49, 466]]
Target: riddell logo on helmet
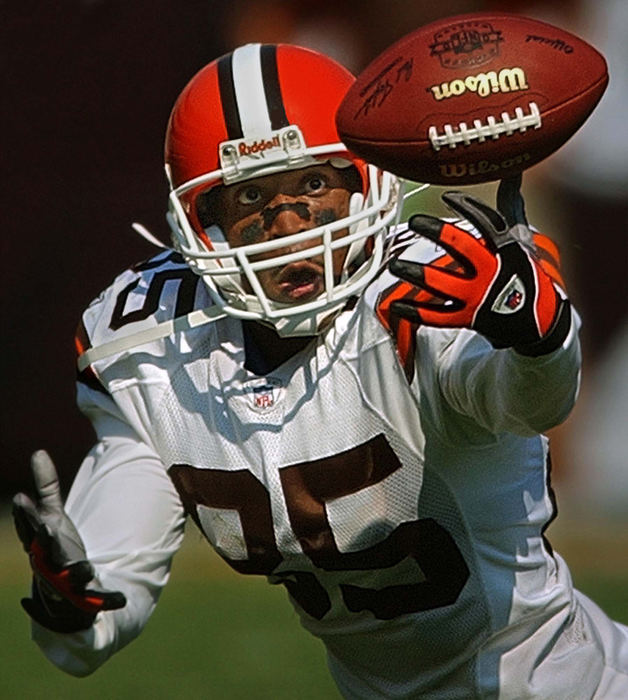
[[258, 147]]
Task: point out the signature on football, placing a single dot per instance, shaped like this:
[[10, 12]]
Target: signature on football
[[378, 90]]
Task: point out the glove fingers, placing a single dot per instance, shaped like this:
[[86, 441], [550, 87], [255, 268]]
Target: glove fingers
[[70, 583], [452, 315], [80, 574], [548, 257], [490, 223], [446, 283], [547, 304], [439, 283], [425, 225], [26, 519], [410, 271], [59, 537], [94, 600], [465, 249], [510, 202], [449, 285], [107, 600], [49, 545], [46, 481]]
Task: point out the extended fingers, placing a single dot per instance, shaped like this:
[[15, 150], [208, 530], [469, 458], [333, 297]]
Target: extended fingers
[[438, 281], [46, 481], [26, 519], [453, 314], [105, 600], [436, 295], [446, 279], [462, 246], [489, 223]]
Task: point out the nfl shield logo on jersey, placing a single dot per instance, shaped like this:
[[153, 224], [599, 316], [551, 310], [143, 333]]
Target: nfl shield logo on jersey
[[265, 394]]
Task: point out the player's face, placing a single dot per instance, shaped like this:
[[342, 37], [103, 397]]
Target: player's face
[[279, 205]]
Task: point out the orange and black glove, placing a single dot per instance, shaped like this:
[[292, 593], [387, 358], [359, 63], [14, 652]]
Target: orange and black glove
[[63, 599], [496, 284]]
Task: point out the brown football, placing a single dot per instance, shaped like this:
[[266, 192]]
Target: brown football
[[472, 98]]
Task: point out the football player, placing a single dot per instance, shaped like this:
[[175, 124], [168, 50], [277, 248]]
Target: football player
[[350, 406]]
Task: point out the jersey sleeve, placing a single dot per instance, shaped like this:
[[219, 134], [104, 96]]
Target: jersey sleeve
[[131, 519], [482, 390], [504, 391]]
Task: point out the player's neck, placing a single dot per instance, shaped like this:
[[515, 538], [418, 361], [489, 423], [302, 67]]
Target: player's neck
[[265, 350]]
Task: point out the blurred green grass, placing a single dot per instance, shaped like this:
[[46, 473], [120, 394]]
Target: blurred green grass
[[218, 634]]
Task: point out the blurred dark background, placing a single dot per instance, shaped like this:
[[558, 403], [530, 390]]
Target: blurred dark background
[[87, 89]]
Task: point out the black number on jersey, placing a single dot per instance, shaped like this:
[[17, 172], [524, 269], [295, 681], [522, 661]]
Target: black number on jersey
[[185, 296], [306, 488]]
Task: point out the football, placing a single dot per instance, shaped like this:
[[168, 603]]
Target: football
[[472, 98]]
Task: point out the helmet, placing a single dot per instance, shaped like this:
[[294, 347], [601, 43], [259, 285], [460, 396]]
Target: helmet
[[259, 110]]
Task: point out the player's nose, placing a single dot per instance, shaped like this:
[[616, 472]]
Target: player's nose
[[285, 215]]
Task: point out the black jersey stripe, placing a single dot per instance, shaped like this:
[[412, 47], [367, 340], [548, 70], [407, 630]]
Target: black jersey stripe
[[272, 88], [228, 97]]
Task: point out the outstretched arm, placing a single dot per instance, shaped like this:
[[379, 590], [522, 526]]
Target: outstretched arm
[[65, 597], [94, 591], [498, 284]]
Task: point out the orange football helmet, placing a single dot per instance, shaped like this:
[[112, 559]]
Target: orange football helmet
[[260, 110]]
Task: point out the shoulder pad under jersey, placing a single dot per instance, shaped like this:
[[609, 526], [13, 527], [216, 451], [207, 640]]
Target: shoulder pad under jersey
[[146, 302]]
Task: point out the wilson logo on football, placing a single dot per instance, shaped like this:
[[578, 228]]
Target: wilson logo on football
[[257, 148], [454, 170], [483, 84]]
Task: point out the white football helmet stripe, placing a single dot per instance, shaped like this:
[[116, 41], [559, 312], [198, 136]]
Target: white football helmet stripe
[[249, 90]]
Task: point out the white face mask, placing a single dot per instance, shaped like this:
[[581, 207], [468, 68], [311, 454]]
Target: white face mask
[[223, 269]]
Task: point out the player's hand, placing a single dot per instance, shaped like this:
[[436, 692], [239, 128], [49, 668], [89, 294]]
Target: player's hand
[[495, 285], [63, 599]]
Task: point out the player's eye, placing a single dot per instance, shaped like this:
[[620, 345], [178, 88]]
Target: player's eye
[[250, 195], [315, 184]]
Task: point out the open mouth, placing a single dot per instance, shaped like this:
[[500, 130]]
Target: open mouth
[[301, 280]]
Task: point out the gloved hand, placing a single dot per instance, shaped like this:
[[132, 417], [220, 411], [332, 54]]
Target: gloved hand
[[61, 598], [496, 285]]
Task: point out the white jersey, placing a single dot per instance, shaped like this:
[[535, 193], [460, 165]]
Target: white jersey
[[393, 479]]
